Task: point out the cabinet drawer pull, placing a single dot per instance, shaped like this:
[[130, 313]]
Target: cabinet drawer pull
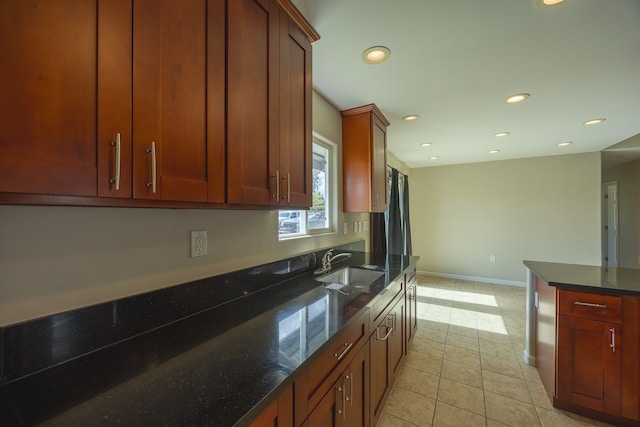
[[389, 331], [613, 339], [116, 172], [350, 398], [589, 304], [152, 151], [345, 351]]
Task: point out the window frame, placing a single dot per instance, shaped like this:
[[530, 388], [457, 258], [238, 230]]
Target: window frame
[[331, 198]]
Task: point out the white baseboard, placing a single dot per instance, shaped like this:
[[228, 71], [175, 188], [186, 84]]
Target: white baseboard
[[475, 278]]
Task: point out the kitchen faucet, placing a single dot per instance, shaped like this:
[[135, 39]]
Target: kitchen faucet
[[328, 258]]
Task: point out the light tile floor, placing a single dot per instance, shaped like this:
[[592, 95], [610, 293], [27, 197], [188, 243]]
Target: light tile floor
[[465, 366]]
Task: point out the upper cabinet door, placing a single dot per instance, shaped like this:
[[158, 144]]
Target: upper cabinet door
[[252, 102], [170, 99], [364, 159], [295, 115], [114, 99], [48, 79]]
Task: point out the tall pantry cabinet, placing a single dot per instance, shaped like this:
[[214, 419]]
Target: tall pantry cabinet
[[155, 103]]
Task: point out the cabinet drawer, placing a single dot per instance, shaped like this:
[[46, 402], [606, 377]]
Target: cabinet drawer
[[411, 276], [583, 305], [382, 303], [327, 368]]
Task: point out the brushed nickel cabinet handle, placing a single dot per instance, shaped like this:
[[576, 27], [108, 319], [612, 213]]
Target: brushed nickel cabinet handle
[[344, 405], [153, 182], [589, 304], [116, 172], [288, 179], [345, 351], [277, 177], [613, 339], [389, 331], [350, 398]]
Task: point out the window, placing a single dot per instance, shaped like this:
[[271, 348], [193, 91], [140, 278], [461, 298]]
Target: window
[[318, 218]]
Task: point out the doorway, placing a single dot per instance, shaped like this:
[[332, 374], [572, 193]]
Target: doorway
[[610, 224]]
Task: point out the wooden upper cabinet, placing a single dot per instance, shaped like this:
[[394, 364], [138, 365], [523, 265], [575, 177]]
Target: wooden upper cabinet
[[295, 154], [269, 106], [130, 99], [170, 98], [252, 101], [364, 159], [48, 79]]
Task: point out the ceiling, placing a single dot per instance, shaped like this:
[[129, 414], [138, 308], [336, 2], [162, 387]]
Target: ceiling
[[454, 62]]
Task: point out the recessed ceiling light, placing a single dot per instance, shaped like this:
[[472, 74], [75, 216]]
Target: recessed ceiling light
[[519, 97], [494, 151], [434, 158], [410, 117], [425, 144], [564, 144], [594, 122], [501, 134], [376, 54], [547, 3]]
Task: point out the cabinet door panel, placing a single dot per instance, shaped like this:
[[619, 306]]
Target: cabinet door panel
[[326, 413], [379, 377], [114, 98], [588, 367], [295, 115], [252, 101], [48, 80], [356, 381], [169, 94], [379, 173]]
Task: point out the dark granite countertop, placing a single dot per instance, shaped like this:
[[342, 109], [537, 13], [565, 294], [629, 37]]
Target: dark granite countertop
[[588, 278], [221, 366]]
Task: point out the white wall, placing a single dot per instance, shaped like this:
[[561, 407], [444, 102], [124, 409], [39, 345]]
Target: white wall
[[544, 209], [57, 258]]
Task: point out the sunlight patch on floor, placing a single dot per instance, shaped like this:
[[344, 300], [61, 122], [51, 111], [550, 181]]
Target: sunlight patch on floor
[[459, 296]]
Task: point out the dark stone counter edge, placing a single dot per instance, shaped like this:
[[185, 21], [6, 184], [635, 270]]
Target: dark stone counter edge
[[542, 270]]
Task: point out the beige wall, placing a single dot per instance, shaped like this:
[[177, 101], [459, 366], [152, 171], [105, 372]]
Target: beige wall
[[545, 209], [57, 258]]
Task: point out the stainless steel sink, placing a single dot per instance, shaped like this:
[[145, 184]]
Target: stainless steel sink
[[352, 276]]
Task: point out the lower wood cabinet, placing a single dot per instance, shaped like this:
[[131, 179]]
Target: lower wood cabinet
[[279, 413], [411, 307], [587, 352], [346, 403], [350, 381], [385, 354]]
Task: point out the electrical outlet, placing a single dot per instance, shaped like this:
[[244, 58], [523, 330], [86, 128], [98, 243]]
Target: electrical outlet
[[492, 258], [365, 226], [345, 228], [198, 243], [355, 226]]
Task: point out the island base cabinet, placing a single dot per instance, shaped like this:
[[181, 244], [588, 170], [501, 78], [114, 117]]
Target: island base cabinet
[[589, 361]]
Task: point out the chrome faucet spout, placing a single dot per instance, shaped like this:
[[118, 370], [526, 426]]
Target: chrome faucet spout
[[328, 258]]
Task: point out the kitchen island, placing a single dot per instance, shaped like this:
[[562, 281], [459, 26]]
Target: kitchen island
[[583, 336], [218, 351]]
